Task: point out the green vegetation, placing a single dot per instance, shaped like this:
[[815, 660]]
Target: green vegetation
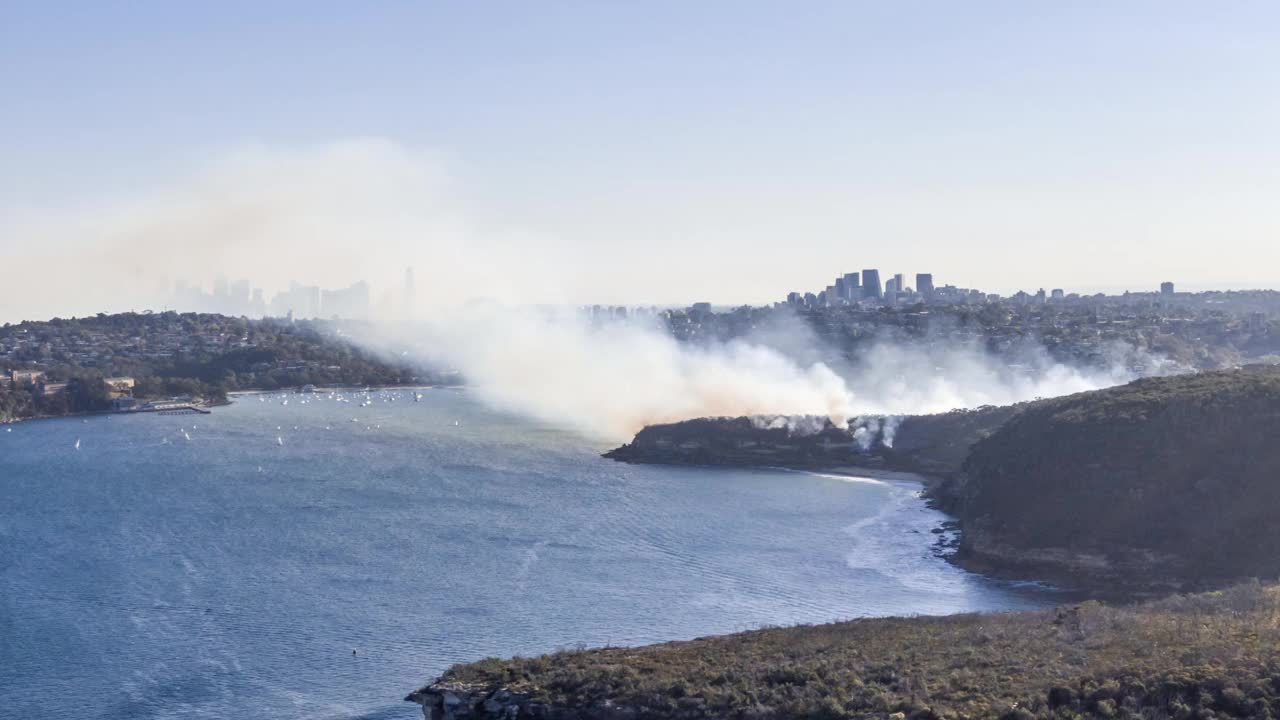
[[1165, 480], [170, 354], [934, 444], [1213, 655]]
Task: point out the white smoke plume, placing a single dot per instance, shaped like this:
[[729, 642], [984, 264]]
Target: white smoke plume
[[610, 380]]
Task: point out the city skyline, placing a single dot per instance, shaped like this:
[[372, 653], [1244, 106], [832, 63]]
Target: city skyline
[[361, 299], [624, 155]]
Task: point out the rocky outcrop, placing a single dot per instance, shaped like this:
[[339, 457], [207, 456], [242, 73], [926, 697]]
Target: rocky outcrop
[[444, 700], [454, 701]]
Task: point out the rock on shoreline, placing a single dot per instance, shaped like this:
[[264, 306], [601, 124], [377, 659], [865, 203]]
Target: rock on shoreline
[[457, 701]]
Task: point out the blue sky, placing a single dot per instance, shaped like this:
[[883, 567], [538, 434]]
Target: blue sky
[[998, 144]]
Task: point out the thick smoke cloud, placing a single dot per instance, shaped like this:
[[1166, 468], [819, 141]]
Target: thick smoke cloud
[[609, 380]]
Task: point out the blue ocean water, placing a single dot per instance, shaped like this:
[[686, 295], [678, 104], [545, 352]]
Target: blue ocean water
[[226, 566]]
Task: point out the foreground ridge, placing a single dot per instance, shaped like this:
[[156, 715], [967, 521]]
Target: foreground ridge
[[1208, 655]]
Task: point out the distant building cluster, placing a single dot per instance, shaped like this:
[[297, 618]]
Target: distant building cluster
[[865, 289], [238, 299]]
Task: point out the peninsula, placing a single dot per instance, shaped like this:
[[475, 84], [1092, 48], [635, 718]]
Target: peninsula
[[1161, 486]]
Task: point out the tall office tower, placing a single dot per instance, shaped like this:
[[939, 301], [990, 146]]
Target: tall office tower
[[842, 289], [871, 284], [891, 287], [924, 284], [899, 283], [1166, 288], [852, 287]]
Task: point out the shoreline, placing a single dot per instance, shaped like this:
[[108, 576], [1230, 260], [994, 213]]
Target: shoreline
[[1047, 577], [106, 413], [342, 388], [1047, 574]]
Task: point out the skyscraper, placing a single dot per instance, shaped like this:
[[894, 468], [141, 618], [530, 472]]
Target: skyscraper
[[853, 287], [1166, 288], [924, 284], [871, 284], [899, 283]]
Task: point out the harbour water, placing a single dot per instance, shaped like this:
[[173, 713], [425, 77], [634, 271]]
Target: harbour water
[[322, 558]]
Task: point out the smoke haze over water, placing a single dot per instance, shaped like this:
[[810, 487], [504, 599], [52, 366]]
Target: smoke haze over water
[[610, 380]]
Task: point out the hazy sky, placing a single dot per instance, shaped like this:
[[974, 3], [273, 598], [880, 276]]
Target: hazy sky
[[639, 152]]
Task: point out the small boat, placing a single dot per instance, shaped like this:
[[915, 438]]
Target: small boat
[[185, 435], [279, 440], [77, 443]]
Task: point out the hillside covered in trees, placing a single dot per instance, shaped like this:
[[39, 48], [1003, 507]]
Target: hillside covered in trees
[[1165, 480], [168, 354]]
